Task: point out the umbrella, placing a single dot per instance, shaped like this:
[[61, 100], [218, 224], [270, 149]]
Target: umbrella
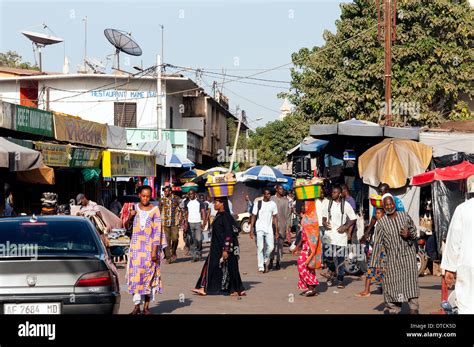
[[264, 173], [176, 160], [18, 158], [203, 176], [451, 173], [393, 161]]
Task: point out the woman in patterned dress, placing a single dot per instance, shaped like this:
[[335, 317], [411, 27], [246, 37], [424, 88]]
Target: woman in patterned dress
[[311, 252], [146, 252]]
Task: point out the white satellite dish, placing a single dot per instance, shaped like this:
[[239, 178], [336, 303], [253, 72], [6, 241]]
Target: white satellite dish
[[41, 40]]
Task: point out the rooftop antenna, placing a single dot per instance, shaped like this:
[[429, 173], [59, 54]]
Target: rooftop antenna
[[122, 42], [41, 40]]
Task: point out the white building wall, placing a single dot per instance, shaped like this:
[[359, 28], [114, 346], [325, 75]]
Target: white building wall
[[84, 100], [10, 92]]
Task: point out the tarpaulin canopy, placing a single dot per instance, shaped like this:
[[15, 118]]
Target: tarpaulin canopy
[[43, 175], [309, 144], [393, 161], [352, 127], [18, 158], [451, 173]]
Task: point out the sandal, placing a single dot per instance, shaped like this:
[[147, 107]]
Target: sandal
[[242, 293], [341, 286], [303, 293], [198, 292], [311, 293], [146, 312]]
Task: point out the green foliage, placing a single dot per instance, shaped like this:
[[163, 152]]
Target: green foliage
[[432, 66], [14, 60], [277, 137]]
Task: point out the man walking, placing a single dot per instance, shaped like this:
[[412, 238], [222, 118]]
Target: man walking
[[264, 215], [346, 195], [458, 256], [284, 211], [195, 221], [396, 233], [169, 207], [337, 220]]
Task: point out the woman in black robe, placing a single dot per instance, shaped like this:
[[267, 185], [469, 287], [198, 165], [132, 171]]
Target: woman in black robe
[[220, 273]]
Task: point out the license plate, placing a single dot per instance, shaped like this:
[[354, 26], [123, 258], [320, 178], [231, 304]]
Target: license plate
[[32, 308]]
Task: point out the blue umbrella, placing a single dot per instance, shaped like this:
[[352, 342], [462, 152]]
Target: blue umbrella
[[264, 173], [177, 161]]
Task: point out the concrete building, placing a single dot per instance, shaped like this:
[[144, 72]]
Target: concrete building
[[194, 122]]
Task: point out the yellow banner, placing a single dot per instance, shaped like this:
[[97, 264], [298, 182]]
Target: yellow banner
[[76, 130], [126, 164], [54, 154]]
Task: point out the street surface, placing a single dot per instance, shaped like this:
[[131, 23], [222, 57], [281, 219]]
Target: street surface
[[275, 292]]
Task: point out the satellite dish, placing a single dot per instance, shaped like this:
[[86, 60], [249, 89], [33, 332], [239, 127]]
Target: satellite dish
[[41, 40], [122, 43]]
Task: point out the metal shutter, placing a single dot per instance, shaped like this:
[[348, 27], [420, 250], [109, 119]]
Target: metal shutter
[[125, 114]]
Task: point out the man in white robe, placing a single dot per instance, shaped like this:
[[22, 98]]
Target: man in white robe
[[458, 256]]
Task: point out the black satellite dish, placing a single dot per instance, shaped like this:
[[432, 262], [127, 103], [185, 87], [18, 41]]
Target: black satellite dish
[[122, 43]]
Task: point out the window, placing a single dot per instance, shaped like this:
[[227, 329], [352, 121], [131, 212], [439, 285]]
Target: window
[[125, 114]]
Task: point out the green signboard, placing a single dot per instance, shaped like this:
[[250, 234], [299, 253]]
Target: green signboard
[[34, 121], [85, 157]]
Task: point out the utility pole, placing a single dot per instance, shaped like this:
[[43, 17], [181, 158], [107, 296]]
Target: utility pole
[[162, 42], [238, 114], [389, 31], [159, 106], [85, 41]]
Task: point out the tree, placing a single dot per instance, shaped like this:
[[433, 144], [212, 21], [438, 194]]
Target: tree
[[13, 59], [432, 66], [277, 137]]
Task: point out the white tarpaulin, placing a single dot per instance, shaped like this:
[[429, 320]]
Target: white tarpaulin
[[116, 137], [444, 143]]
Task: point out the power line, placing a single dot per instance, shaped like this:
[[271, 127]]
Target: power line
[[310, 55], [225, 74]]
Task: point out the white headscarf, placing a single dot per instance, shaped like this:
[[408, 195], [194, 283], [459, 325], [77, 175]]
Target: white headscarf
[[387, 195]]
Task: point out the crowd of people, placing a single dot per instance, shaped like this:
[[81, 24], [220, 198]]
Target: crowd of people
[[319, 231], [324, 228]]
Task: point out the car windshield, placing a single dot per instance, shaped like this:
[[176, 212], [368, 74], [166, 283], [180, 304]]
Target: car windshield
[[30, 239]]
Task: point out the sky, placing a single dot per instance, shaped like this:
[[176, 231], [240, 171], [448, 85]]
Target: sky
[[241, 37]]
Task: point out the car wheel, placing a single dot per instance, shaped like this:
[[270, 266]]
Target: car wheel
[[245, 225]]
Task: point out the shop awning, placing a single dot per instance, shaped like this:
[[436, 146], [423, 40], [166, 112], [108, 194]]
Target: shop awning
[[43, 175], [409, 133], [309, 144], [18, 158], [451, 173], [352, 127]]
